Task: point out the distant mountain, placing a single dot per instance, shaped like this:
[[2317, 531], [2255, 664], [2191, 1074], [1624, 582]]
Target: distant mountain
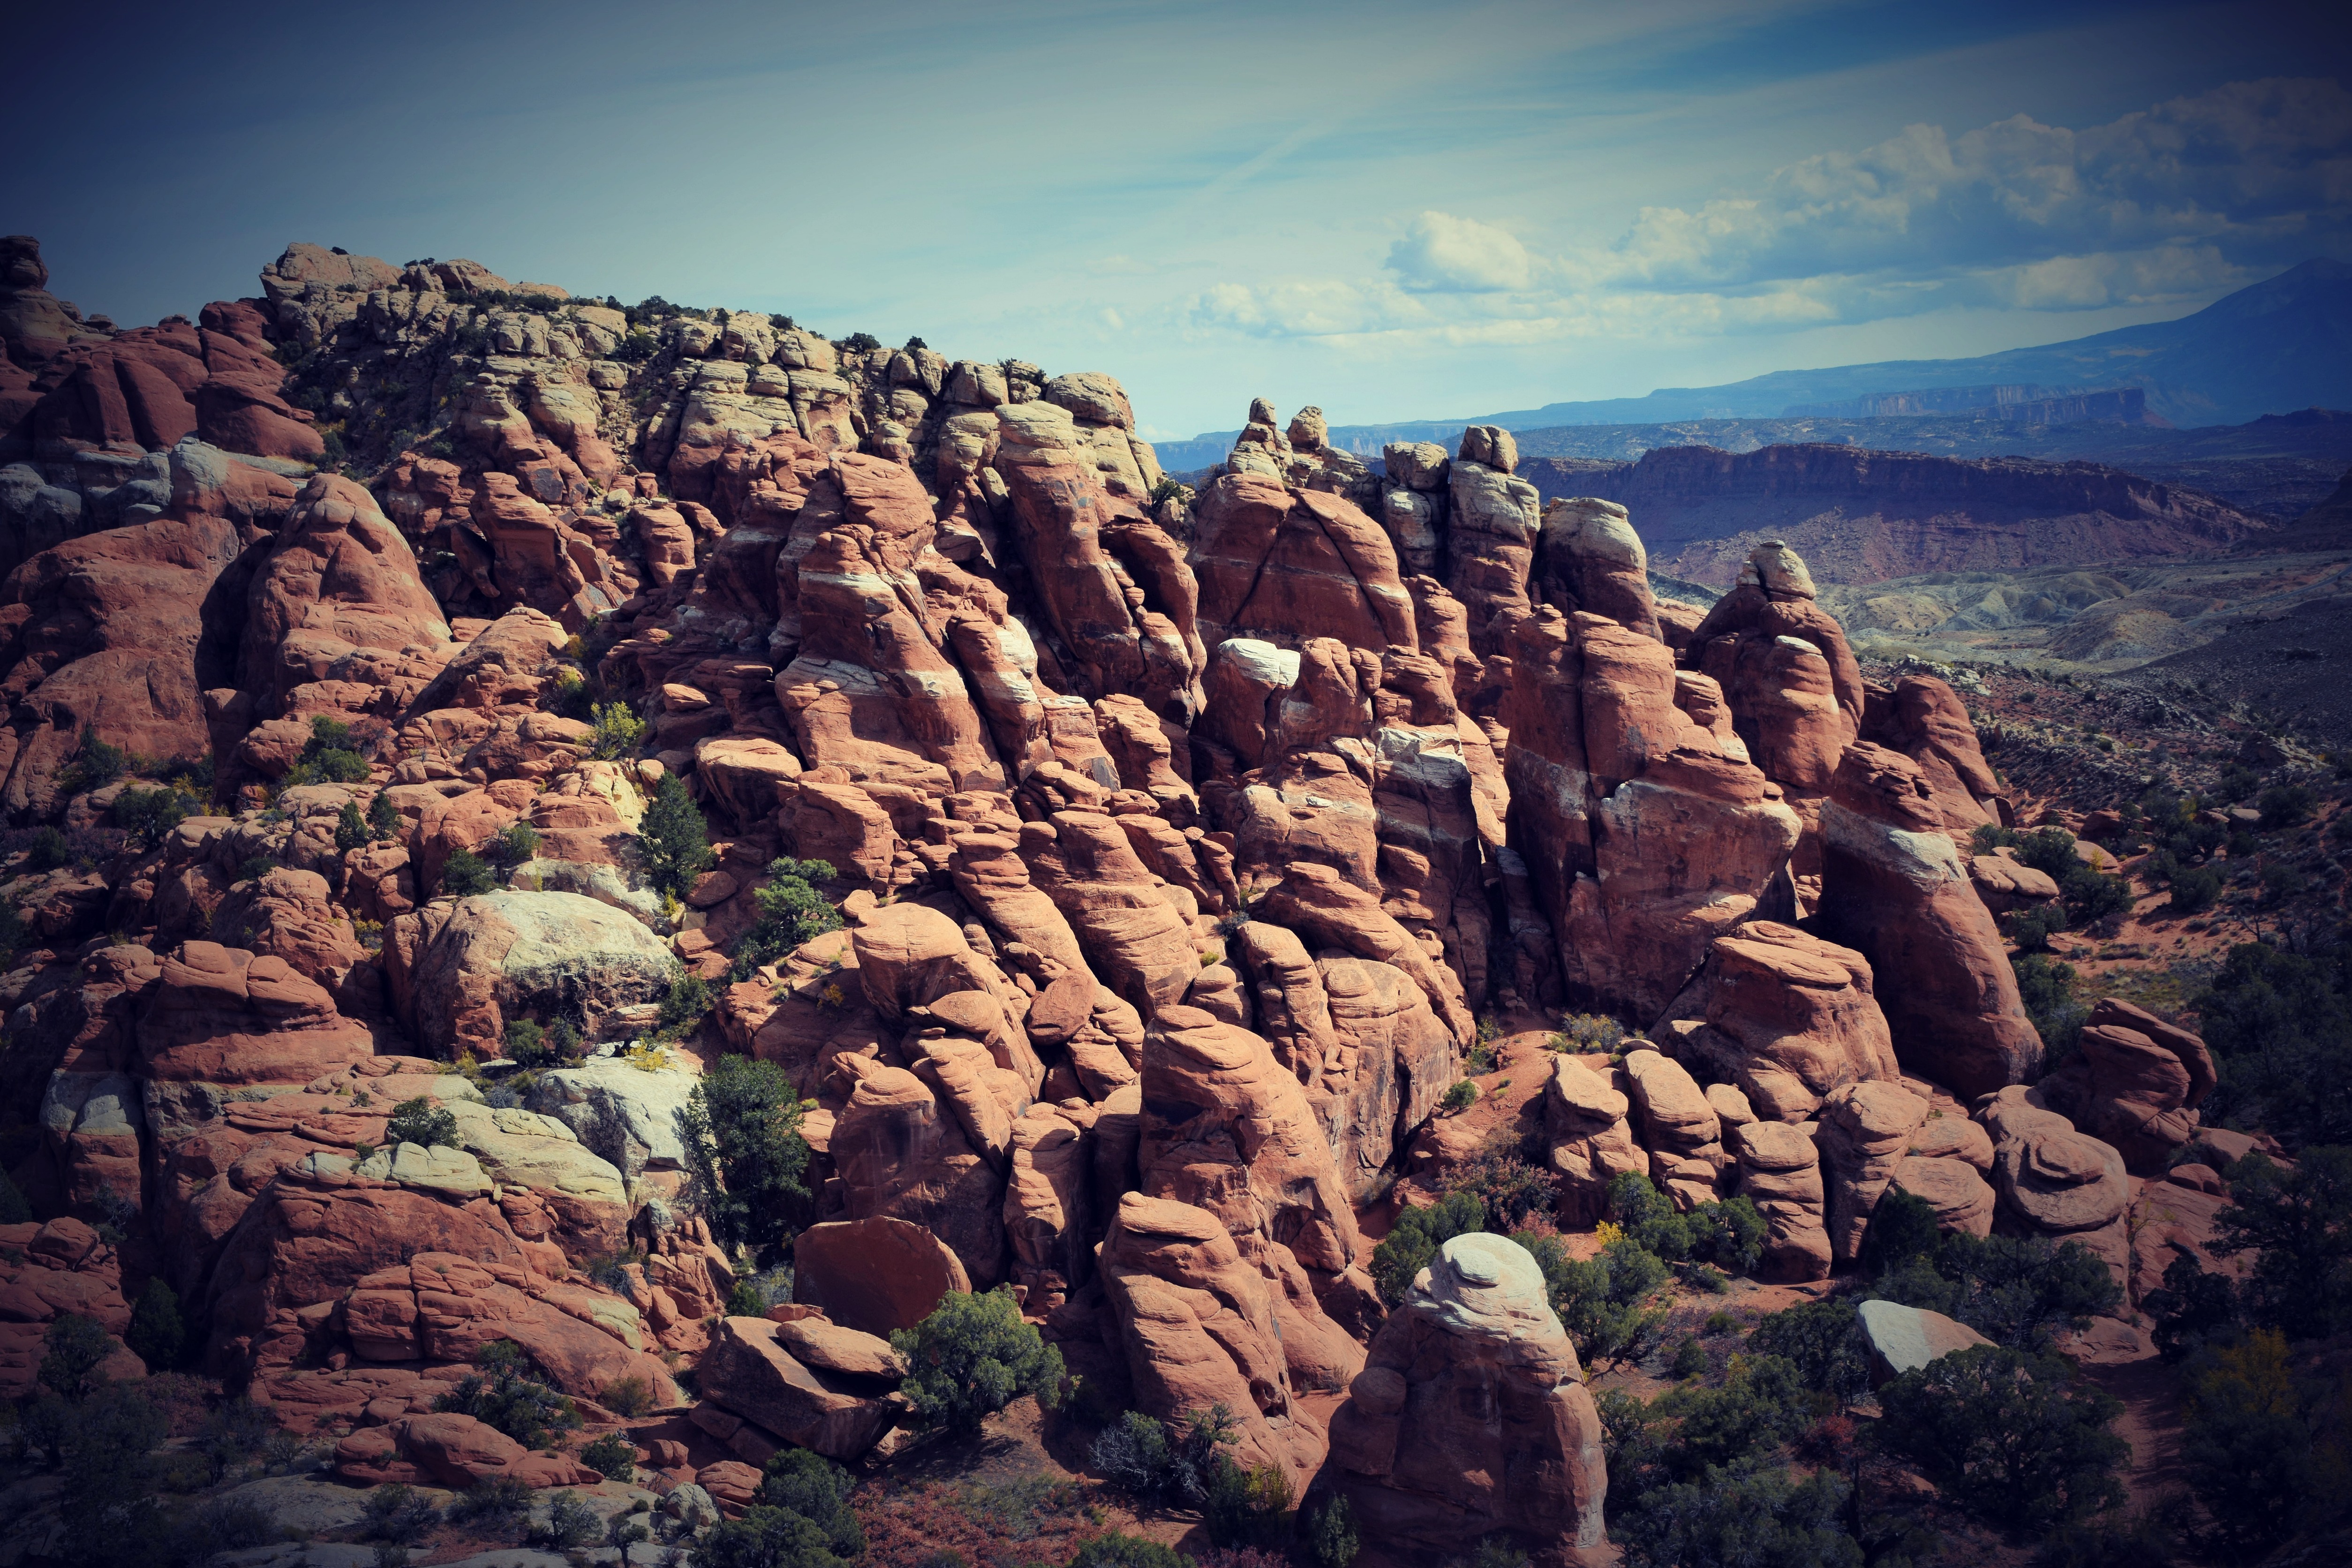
[[2282, 344]]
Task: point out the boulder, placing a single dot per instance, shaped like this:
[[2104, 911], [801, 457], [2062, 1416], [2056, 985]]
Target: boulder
[[1905, 1339], [749, 1370], [1799, 1014], [2136, 1084], [874, 1275], [1781, 1172], [1592, 1142], [1471, 1417], [1865, 1129], [221, 1015], [507, 955]]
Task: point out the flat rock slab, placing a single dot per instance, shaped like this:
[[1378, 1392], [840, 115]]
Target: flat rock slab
[[1905, 1339]]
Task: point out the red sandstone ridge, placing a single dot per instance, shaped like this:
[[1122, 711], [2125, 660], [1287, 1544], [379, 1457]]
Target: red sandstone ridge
[[1862, 516], [1187, 849]]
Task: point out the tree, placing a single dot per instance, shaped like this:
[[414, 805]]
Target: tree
[[398, 1513], [1823, 1340], [2007, 1436], [74, 1347], [1730, 1232], [2191, 1309], [1331, 1534], [2280, 1027], [674, 839], [156, 1334], [2298, 1226], [466, 874], [351, 828], [791, 911], [14, 1209], [973, 1356], [382, 816], [1412, 1244], [2247, 1440], [2020, 1292], [1763, 1403], [48, 850], [1903, 1226], [148, 814], [770, 1537], [745, 1153], [1752, 1517], [1163, 1463], [1603, 1301], [419, 1121], [330, 756], [611, 1456], [569, 1522], [800, 1482]]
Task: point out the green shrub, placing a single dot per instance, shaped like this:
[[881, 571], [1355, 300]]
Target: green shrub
[[684, 1004], [2195, 890], [2284, 806], [2298, 1226], [973, 1356], [1903, 1226], [14, 1209], [95, 765], [2279, 1025], [419, 1121], [1412, 1244], [514, 844], [147, 815], [2048, 991], [466, 874], [72, 1350], [1730, 1233], [1690, 1358], [744, 1152], [1250, 1506], [1647, 1216], [569, 1522], [2020, 1292], [526, 1042], [497, 1505], [1459, 1098], [330, 756], [48, 850], [2008, 1436], [1113, 1549], [1591, 1032], [2249, 1441], [351, 828], [619, 730], [611, 1456], [505, 1393], [253, 867], [2191, 1309], [1603, 1301], [397, 1513], [1161, 1464], [382, 816], [1500, 1176], [631, 1396], [156, 1334]]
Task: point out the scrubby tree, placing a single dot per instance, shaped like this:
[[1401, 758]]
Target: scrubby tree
[[674, 839], [1754, 1516], [2298, 1226], [1331, 1534], [745, 1153], [2280, 1027], [2248, 1440], [1823, 1340], [973, 1356], [382, 816], [1411, 1243], [617, 730], [1115, 1549], [351, 828], [2008, 1437], [1163, 1463], [73, 1350], [504, 1392], [800, 1518]]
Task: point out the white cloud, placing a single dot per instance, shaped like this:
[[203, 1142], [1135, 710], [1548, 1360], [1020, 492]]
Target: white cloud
[[1441, 253]]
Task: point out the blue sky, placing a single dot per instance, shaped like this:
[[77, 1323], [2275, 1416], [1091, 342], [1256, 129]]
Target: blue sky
[[1395, 212]]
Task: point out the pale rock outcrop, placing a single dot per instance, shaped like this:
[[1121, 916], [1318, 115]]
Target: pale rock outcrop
[[462, 972]]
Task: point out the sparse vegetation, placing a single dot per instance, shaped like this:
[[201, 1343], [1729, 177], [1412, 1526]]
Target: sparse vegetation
[[745, 1154], [973, 1356], [674, 839]]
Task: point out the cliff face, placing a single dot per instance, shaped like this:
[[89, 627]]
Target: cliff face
[[1860, 516]]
